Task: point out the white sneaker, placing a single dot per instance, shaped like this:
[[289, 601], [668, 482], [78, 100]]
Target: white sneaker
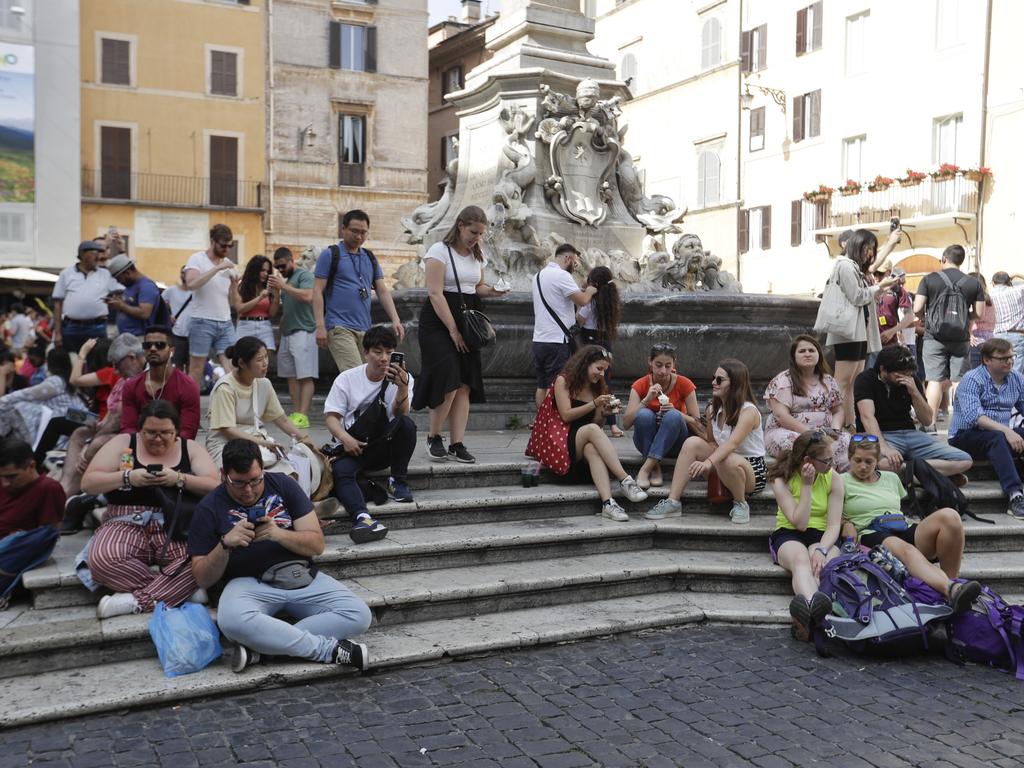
[[613, 511], [117, 604], [633, 491], [199, 596], [740, 513], [664, 508]]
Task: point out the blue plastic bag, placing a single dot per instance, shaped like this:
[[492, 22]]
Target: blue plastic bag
[[186, 638]]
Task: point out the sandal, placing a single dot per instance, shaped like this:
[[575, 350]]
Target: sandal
[[962, 595], [800, 610]]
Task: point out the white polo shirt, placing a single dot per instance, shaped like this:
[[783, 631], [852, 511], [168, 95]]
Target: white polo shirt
[[83, 293], [558, 286]]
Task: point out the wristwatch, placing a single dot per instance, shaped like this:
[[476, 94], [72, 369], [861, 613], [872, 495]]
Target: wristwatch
[[223, 544], [180, 482], [824, 552]]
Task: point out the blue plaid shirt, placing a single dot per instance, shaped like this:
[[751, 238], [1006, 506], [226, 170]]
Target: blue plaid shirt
[[977, 395]]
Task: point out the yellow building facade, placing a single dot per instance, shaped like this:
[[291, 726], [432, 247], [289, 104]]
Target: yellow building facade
[[173, 115]]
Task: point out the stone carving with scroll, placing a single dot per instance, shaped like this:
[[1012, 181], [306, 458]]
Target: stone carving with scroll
[[429, 215], [508, 211]]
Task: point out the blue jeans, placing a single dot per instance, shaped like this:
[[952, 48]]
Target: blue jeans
[[992, 445], [918, 445], [656, 441], [1017, 340], [327, 612], [394, 453], [75, 334]]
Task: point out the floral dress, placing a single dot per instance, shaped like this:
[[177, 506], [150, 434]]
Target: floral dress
[[813, 408]]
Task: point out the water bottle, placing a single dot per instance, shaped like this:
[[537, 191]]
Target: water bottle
[[849, 546]]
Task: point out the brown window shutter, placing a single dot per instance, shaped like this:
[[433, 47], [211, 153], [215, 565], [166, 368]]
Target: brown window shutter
[[814, 126], [223, 73], [370, 60], [762, 47], [115, 162], [816, 31], [745, 59], [801, 27], [766, 227], [798, 118], [334, 45], [115, 64], [223, 170], [743, 230], [796, 209]]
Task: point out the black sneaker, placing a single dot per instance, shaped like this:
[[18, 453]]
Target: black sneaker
[[458, 452], [800, 610], [353, 654], [399, 490], [366, 529], [962, 595], [243, 657], [821, 607], [75, 510], [435, 448]]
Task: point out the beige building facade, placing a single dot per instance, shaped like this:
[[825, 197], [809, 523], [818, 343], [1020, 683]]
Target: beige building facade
[[347, 119]]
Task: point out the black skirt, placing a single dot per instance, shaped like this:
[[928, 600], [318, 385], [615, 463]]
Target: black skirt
[[443, 368]]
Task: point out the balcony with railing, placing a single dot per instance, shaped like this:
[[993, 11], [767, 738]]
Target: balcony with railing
[[175, 191], [929, 203]]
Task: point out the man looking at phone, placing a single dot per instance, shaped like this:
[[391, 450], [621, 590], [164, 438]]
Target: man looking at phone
[[137, 305], [79, 306], [161, 381], [884, 396], [211, 276], [298, 359], [258, 532], [384, 436]]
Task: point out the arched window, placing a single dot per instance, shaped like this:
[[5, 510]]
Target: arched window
[[709, 174], [711, 44], [628, 71]]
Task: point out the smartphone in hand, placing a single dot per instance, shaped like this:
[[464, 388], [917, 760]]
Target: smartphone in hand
[[154, 469]]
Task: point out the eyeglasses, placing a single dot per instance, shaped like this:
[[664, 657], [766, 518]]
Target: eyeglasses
[[864, 439], [825, 462], [240, 484], [154, 345], [1004, 358], [360, 233], [152, 434], [719, 380], [663, 349]]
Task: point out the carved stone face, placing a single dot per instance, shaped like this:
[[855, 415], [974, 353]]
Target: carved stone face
[[587, 94], [688, 249]]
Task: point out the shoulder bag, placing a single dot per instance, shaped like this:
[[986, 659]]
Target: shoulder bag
[[573, 335], [474, 325], [836, 314], [549, 439]]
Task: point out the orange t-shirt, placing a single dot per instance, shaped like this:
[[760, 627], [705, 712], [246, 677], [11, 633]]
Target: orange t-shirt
[[677, 396]]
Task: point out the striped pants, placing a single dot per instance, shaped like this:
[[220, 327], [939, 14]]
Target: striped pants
[[120, 556]]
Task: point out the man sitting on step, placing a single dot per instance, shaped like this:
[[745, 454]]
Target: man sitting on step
[[367, 413], [259, 533]]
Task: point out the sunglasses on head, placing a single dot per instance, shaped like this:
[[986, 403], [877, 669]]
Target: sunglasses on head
[[864, 439], [661, 349], [154, 345]]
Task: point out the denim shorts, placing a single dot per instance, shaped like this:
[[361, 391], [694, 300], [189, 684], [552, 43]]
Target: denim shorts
[[205, 335], [261, 329]]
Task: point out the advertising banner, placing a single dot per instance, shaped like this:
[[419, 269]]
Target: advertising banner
[[17, 123]]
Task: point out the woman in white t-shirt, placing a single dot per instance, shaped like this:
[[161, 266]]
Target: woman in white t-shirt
[[450, 373]]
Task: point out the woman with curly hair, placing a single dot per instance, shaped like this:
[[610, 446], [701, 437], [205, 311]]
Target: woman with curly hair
[[581, 399], [807, 525], [599, 323], [734, 446], [256, 302]]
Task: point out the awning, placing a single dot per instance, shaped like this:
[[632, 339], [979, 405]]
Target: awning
[[26, 275]]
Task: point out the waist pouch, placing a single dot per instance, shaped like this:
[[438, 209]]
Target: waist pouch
[[291, 574], [892, 523]]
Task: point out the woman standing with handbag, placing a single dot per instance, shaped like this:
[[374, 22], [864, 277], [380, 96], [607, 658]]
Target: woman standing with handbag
[[451, 374]]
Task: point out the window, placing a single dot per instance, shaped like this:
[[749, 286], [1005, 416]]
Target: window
[[352, 150], [807, 115], [223, 73], [448, 152], [115, 62], [115, 162], [754, 49], [224, 170], [711, 44], [12, 227], [628, 72], [853, 158], [757, 129], [947, 141], [451, 80], [856, 43], [805, 218], [949, 23], [754, 232], [353, 47], [808, 29], [709, 173]]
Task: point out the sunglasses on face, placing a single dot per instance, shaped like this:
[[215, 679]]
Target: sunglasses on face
[[864, 439], [719, 380], [154, 345], [225, 243]]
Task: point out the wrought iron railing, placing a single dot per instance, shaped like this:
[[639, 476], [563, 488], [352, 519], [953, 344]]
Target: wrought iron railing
[[928, 198], [172, 190]]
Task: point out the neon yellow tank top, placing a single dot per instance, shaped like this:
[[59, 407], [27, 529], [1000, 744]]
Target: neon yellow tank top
[[820, 490]]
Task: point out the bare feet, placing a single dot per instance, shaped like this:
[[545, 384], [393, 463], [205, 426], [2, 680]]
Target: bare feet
[[656, 477], [643, 479], [616, 432]]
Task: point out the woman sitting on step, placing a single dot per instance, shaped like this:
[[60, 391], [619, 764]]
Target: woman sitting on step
[[810, 497], [872, 505], [734, 446], [582, 401]]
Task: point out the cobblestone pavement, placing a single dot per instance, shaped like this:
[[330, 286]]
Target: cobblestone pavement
[[697, 696]]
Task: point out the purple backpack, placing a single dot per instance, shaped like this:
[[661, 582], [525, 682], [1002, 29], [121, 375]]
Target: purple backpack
[[989, 633]]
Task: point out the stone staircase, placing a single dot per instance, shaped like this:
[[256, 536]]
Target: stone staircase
[[477, 563]]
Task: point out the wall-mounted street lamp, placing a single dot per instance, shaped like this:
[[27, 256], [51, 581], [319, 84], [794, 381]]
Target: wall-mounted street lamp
[[747, 98], [309, 135]]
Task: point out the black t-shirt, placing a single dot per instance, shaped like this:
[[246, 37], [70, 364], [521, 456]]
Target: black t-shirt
[[216, 514], [892, 402], [932, 286]]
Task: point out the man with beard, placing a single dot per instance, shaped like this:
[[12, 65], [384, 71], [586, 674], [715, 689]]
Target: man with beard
[[298, 359], [161, 381]]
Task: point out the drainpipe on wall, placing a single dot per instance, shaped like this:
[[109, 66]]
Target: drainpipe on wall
[[268, 226], [979, 220], [739, 141]]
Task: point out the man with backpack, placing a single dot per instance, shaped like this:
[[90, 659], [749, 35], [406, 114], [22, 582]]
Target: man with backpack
[[346, 274], [949, 299], [141, 304], [984, 404]]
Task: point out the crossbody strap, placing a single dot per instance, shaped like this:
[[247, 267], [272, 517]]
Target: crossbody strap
[[187, 302], [458, 285], [554, 316]]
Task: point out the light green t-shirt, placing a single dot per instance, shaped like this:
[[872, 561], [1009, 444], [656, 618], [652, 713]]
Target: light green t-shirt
[[863, 502], [820, 490], [297, 315]]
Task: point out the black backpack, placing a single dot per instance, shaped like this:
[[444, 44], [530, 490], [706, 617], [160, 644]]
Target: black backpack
[[947, 317], [336, 259], [929, 490]]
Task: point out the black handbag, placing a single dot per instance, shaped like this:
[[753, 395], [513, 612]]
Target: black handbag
[[370, 427], [474, 325]]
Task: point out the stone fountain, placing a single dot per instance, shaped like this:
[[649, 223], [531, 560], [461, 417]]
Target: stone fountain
[[542, 149]]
